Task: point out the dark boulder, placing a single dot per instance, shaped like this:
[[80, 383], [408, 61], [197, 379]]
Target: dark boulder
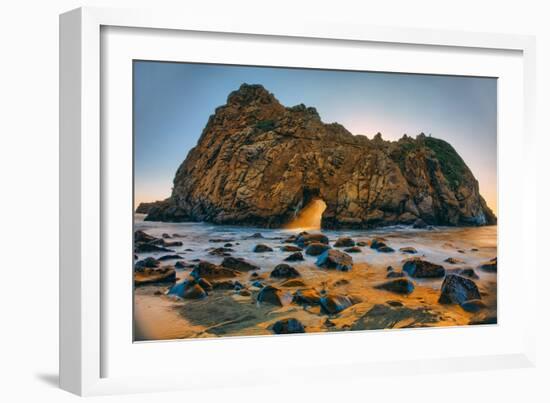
[[333, 304], [181, 265], [169, 257], [291, 248], [395, 274], [188, 289], [147, 248], [419, 268], [344, 242], [238, 264], [260, 248], [147, 262], [334, 259], [305, 239], [353, 249], [223, 251], [420, 224], [457, 290], [379, 245], [453, 260], [140, 236], [408, 249], [210, 271], [294, 257], [399, 286], [270, 295], [307, 296], [284, 270], [385, 249], [226, 285], [147, 275], [288, 326], [316, 248]]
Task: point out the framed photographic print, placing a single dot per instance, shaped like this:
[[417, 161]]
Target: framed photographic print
[[234, 189]]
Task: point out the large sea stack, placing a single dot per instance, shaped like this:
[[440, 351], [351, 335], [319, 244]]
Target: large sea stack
[[259, 163]]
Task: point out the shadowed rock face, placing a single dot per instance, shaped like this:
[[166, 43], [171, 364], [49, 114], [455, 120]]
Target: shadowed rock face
[[259, 163]]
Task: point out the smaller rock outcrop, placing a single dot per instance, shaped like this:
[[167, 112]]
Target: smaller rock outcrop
[[284, 270], [336, 260], [419, 268], [457, 290]]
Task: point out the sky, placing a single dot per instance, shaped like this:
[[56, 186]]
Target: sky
[[172, 103]]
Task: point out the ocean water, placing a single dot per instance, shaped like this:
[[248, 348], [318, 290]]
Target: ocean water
[[160, 317]]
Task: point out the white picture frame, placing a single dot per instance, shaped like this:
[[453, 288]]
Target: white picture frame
[[87, 343]]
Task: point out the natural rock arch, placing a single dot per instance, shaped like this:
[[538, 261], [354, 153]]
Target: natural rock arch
[[258, 163]]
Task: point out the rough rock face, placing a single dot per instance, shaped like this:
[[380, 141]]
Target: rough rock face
[[259, 163]]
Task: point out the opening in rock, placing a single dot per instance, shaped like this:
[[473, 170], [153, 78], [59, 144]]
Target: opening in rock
[[309, 217]]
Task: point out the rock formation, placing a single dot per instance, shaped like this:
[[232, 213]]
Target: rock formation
[[259, 163]]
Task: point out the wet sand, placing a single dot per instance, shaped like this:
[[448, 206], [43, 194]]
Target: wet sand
[[226, 313]]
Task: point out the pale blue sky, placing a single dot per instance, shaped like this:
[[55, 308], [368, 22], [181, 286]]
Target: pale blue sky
[[172, 103]]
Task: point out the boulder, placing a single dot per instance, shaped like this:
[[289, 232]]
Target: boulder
[[379, 245], [147, 262], [141, 236], [307, 296], [453, 260], [294, 257], [457, 290], [362, 243], [270, 295], [291, 248], [181, 265], [283, 270], [395, 274], [420, 224], [333, 304], [260, 248], [408, 249], [316, 248], [226, 285], [238, 264], [306, 238], [399, 286], [223, 251], [353, 249], [385, 249], [149, 275], [169, 257], [209, 271], [148, 248], [419, 268], [188, 289], [288, 326], [343, 242], [336, 260]]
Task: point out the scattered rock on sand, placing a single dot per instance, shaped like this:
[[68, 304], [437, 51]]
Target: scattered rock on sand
[[490, 266], [379, 245], [399, 286], [420, 224], [353, 249], [270, 295], [188, 289], [284, 270], [408, 249], [419, 268], [343, 242], [291, 248], [386, 316], [316, 248], [181, 265], [333, 304], [141, 236], [147, 262], [305, 239], [166, 274], [169, 257], [453, 260], [334, 259], [395, 274], [288, 326], [457, 290], [209, 270], [307, 296], [260, 248], [341, 282], [226, 285], [238, 264], [362, 243], [294, 257], [146, 248], [223, 251], [166, 236]]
